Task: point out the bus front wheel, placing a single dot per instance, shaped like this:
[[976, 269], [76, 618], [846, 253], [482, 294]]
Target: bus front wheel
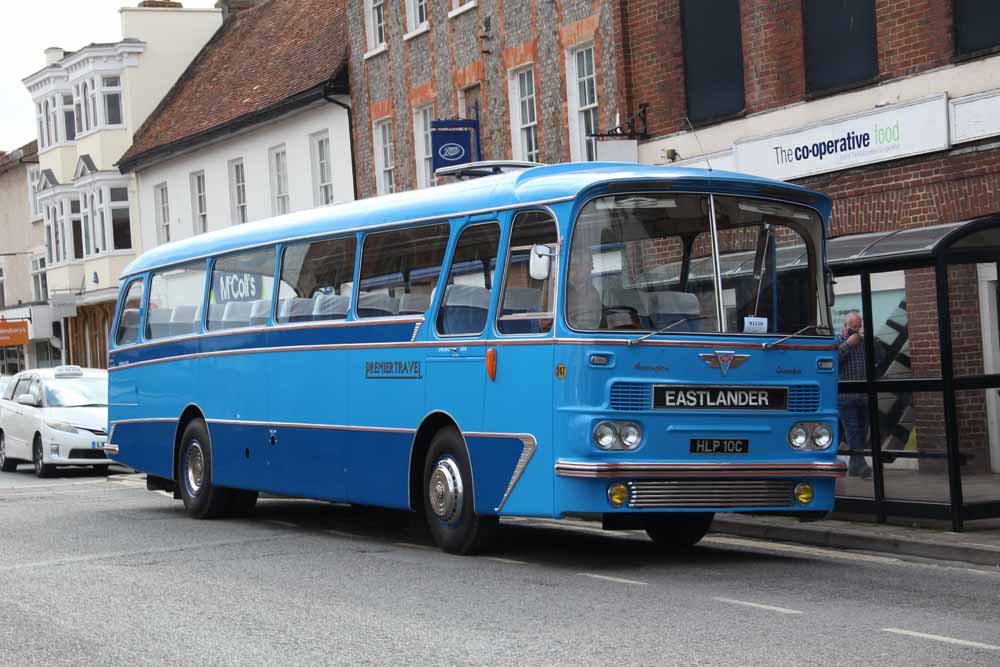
[[677, 531], [449, 505], [202, 499]]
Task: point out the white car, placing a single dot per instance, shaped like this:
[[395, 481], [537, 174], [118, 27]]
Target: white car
[[54, 417]]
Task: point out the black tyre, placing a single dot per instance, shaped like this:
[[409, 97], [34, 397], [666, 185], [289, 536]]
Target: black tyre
[[449, 505], [202, 499], [677, 531], [6, 464], [42, 469]]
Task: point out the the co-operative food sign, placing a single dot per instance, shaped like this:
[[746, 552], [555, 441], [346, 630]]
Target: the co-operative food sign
[[875, 136]]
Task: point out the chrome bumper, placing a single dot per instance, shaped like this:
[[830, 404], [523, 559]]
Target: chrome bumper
[[590, 469], [110, 449]]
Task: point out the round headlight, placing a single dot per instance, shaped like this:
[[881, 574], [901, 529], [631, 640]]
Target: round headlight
[[606, 435], [631, 436], [798, 437], [822, 436]]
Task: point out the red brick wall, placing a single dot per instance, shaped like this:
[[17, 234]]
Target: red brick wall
[[773, 55], [913, 35], [657, 63]]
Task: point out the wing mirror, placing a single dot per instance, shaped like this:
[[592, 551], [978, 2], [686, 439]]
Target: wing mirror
[[27, 399], [540, 262]]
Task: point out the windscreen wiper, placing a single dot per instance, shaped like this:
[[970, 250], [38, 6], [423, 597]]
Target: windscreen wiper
[[636, 341], [768, 346]]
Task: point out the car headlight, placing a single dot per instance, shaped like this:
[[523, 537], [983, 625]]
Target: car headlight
[[798, 437], [60, 426], [631, 435], [606, 435], [822, 436]]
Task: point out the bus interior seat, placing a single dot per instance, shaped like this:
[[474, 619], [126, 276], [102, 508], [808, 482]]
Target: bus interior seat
[[129, 325], [376, 304], [414, 304], [185, 320], [158, 322], [521, 300], [260, 310], [296, 310], [666, 308], [331, 306], [464, 309], [236, 314]]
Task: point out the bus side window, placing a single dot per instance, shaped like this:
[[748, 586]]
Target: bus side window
[[400, 270], [527, 304], [242, 284], [317, 280], [467, 294], [175, 297], [128, 321]]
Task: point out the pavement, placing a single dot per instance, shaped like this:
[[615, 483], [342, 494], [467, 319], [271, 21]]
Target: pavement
[[101, 571]]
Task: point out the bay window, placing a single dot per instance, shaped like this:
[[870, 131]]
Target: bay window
[[39, 281], [111, 88], [121, 223]]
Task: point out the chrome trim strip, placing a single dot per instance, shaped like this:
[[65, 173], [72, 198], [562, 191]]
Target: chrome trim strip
[[586, 469], [350, 230], [321, 427], [529, 445], [535, 340], [109, 449]]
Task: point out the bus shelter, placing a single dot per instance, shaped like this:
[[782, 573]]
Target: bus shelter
[[931, 386]]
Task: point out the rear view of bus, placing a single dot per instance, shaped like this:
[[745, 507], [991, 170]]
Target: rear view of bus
[[702, 372]]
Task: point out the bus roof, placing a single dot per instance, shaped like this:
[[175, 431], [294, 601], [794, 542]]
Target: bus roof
[[538, 185]]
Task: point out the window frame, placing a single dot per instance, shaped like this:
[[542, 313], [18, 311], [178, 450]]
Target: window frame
[[112, 206], [280, 196], [422, 155], [811, 94], [385, 174], [376, 27], [729, 115], [39, 278], [239, 208], [579, 141], [355, 278], [199, 202], [123, 299], [958, 56], [34, 206], [199, 323], [161, 205], [517, 124], [555, 269], [276, 248], [319, 165], [413, 20], [447, 276]]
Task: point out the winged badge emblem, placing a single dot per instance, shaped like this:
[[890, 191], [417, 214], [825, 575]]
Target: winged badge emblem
[[724, 360]]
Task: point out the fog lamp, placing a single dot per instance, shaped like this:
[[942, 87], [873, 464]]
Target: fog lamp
[[798, 437], [803, 493], [617, 494], [606, 435], [631, 436], [822, 436], [54, 449]]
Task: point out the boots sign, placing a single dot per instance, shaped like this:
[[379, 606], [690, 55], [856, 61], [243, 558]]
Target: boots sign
[[884, 134]]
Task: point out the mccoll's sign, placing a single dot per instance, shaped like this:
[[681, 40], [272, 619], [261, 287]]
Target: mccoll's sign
[[883, 134]]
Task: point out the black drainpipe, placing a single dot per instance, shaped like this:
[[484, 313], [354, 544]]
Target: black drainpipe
[[350, 132]]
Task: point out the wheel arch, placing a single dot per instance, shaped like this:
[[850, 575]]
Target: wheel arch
[[430, 425], [189, 414]]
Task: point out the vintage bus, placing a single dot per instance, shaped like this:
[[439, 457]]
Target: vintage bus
[[645, 344]]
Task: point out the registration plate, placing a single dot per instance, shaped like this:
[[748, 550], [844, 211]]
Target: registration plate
[[720, 446]]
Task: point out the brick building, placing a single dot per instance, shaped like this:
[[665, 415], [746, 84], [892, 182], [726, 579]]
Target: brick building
[[790, 89], [540, 73]]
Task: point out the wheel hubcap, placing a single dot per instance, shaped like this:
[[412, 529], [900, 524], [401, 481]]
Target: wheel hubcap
[[445, 491], [194, 471]]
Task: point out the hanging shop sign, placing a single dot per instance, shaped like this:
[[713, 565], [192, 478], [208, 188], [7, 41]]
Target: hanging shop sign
[[13, 333], [454, 142], [884, 134]]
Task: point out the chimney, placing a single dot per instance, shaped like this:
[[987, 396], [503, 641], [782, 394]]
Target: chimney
[[53, 54], [231, 7], [164, 4]]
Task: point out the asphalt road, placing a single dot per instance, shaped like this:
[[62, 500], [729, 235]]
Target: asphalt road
[[97, 571]]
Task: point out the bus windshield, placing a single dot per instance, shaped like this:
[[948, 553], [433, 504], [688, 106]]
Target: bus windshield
[[649, 262]]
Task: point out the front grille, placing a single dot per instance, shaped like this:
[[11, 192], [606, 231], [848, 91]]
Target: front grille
[[87, 454], [803, 398], [696, 493], [631, 396]]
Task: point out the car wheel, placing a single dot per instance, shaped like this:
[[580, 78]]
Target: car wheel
[[42, 469], [6, 464], [677, 531], [202, 499], [449, 505]]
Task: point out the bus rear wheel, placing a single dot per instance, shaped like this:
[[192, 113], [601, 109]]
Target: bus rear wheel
[[202, 499], [677, 531], [449, 505]]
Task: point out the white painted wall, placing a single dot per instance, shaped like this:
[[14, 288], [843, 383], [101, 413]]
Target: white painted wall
[[294, 131]]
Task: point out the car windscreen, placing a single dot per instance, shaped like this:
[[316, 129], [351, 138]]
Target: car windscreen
[[89, 392]]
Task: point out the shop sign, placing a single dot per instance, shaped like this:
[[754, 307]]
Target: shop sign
[[13, 333], [874, 136], [975, 116]]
